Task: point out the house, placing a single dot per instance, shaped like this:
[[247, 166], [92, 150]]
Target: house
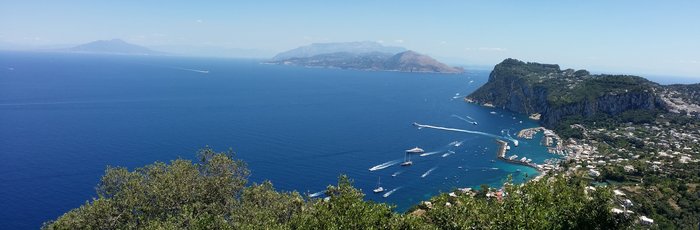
[[646, 220]]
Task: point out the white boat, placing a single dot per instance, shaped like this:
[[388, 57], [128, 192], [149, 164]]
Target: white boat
[[415, 150], [407, 160], [493, 112], [379, 186]]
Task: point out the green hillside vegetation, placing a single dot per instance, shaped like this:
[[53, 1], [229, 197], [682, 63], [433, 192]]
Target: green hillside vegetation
[[569, 86], [214, 193]]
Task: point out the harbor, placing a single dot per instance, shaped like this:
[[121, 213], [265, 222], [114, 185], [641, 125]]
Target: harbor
[[501, 154]]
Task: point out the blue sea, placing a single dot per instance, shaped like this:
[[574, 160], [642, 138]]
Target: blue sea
[[65, 117]]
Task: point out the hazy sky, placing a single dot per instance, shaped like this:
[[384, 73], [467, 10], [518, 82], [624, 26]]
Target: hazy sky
[[637, 37]]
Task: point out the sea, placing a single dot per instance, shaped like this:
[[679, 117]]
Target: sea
[[65, 117]]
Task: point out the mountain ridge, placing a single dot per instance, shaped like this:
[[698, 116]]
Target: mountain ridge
[[337, 47], [362, 56]]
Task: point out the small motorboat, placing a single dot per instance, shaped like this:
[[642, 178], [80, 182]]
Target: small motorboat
[[379, 186], [407, 160], [415, 150]]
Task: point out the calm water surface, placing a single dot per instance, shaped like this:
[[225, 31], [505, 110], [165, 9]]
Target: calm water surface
[[64, 118]]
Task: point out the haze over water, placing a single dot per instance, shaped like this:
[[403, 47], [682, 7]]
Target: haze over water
[[64, 118]]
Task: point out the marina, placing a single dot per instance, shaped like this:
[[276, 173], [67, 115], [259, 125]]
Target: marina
[[501, 154]]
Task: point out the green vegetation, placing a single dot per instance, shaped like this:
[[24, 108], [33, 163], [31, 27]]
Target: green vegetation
[[558, 94], [662, 186], [213, 194]]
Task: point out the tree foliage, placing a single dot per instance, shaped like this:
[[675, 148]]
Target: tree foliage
[[213, 194]]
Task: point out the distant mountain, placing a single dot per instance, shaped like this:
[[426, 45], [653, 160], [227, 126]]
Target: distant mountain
[[410, 61], [340, 47], [366, 56], [114, 46]]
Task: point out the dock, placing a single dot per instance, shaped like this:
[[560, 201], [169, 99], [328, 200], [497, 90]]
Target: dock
[[502, 156]]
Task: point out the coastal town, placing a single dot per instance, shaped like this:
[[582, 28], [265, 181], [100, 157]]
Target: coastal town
[[618, 156]]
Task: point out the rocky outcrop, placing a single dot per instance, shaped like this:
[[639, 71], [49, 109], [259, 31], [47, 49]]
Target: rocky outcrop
[[557, 94]]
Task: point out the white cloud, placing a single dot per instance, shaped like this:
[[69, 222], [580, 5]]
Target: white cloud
[[398, 40], [380, 41], [443, 42], [199, 20]]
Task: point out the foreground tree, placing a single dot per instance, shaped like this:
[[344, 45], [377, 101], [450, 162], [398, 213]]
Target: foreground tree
[[212, 194]]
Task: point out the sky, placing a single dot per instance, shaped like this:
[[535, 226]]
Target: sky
[[633, 37]]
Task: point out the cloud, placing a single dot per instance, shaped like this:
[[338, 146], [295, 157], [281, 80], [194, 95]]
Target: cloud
[[398, 40], [199, 21], [443, 42], [380, 41]]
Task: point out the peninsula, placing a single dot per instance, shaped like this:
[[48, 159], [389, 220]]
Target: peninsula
[[362, 56]]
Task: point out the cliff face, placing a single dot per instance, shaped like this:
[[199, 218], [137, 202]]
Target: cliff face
[[556, 94]]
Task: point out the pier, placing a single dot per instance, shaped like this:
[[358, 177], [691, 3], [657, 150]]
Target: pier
[[502, 156]]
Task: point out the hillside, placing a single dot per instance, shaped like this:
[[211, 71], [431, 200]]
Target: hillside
[[557, 94]]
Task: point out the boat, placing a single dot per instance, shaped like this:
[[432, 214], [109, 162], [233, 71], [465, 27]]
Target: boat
[[407, 160], [493, 161], [379, 186], [415, 150], [517, 170], [493, 112]]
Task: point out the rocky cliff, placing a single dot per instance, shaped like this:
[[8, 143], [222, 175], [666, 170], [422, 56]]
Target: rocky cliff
[[557, 94]]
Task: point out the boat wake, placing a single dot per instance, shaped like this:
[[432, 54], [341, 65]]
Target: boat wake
[[192, 70], [465, 131], [448, 153], [387, 194], [397, 173], [428, 153], [384, 165], [428, 172], [469, 119]]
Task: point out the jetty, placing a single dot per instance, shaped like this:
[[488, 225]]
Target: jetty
[[503, 148]]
